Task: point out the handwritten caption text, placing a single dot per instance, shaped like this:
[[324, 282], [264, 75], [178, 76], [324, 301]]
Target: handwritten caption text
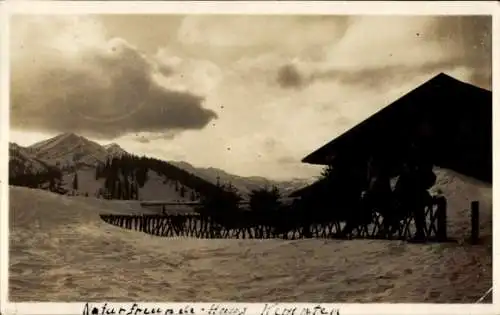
[[208, 309]]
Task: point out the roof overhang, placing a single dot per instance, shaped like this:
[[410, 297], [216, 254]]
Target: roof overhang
[[460, 115]]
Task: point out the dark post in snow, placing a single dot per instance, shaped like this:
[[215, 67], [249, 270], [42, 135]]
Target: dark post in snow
[[474, 206], [441, 219]]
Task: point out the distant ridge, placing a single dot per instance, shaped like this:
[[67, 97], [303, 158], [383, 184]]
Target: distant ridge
[[76, 155], [244, 184]]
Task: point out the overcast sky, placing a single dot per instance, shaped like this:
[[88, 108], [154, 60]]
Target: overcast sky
[[248, 94]]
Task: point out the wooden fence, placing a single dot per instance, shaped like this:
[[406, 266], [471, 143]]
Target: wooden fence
[[197, 226]]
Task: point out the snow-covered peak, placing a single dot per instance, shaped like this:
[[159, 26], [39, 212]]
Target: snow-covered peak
[[68, 149], [114, 149], [15, 146]]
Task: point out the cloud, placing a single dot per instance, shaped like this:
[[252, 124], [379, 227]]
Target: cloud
[[381, 51], [471, 43], [226, 37], [193, 74], [287, 160], [142, 139], [147, 137], [289, 76], [96, 86]]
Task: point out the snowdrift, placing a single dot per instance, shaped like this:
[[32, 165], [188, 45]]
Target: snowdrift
[[61, 251]]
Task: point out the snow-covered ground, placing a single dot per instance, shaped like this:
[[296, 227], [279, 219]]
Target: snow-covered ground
[[61, 251], [156, 187]]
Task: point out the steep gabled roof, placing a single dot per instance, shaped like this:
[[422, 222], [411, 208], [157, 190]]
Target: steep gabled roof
[[459, 115]]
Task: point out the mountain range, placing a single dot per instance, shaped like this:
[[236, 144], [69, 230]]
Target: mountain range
[[74, 154], [243, 184]]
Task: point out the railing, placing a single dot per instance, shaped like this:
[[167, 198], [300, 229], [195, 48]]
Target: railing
[[195, 225]]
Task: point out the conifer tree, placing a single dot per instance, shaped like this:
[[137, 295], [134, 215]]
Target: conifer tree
[[136, 191], [52, 184], [75, 182], [126, 188], [118, 190], [131, 190]]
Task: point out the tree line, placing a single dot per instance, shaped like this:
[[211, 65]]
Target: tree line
[[126, 174], [227, 201], [48, 179]]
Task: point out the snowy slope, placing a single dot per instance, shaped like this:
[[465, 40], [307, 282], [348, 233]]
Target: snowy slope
[[460, 191], [87, 184], [156, 188], [61, 251], [159, 188]]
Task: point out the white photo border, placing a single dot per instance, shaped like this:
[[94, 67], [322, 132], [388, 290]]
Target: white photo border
[[8, 8]]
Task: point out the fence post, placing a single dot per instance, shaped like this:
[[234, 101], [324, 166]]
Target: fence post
[[474, 206], [441, 219]]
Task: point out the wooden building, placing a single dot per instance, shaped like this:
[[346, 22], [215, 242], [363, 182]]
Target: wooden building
[[452, 118]]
